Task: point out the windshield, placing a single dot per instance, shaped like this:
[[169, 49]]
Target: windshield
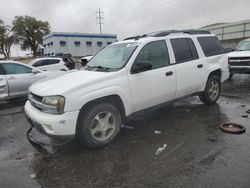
[[243, 46], [113, 57]]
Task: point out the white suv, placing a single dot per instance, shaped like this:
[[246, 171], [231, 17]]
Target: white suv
[[127, 77], [53, 64]]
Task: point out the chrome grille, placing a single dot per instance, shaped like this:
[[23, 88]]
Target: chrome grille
[[36, 101], [239, 61]]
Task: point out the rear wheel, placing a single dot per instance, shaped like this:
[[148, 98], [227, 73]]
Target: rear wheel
[[212, 90], [99, 125]]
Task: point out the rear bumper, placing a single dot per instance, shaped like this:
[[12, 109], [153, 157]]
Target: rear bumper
[[63, 125]]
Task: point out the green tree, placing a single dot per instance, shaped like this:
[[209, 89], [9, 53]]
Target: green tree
[[29, 32], [7, 39]]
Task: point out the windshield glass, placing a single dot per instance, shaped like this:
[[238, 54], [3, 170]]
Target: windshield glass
[[113, 57], [243, 46]]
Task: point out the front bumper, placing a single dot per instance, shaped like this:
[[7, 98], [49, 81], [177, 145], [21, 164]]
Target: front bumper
[[54, 125], [239, 70]]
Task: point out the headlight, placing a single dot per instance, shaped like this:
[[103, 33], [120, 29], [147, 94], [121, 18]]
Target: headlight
[[53, 104]]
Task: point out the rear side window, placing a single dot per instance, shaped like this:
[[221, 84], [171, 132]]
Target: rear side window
[[155, 52], [51, 61], [184, 50], [211, 46]]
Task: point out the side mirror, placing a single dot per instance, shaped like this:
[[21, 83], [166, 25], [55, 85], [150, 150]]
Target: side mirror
[[141, 66], [227, 50], [84, 62], [34, 71]]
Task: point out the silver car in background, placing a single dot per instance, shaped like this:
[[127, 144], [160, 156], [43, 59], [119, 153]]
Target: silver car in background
[[16, 77]]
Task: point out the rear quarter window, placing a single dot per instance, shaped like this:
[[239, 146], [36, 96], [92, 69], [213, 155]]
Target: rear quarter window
[[211, 46]]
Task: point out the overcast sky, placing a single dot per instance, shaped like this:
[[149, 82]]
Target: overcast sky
[[127, 17]]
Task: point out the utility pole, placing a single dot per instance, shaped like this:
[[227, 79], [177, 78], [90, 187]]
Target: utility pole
[[100, 19]]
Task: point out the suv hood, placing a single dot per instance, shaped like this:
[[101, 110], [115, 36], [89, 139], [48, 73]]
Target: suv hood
[[67, 82], [239, 54]]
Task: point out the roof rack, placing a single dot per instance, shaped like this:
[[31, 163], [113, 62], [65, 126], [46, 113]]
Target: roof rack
[[187, 31], [167, 32], [136, 37]]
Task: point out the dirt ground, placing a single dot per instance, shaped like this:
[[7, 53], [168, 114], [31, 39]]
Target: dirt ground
[[197, 153]]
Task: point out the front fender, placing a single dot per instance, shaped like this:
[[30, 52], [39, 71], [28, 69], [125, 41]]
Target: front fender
[[80, 101]]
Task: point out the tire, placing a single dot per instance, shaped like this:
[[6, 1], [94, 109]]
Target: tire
[[212, 90], [99, 125], [231, 76]]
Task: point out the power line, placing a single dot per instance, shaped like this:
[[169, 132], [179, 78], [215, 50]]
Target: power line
[[100, 19]]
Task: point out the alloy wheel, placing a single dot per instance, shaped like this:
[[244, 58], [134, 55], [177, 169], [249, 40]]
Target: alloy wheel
[[103, 126]]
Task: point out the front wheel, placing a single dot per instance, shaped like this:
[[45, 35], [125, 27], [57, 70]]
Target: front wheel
[[99, 125], [212, 90]]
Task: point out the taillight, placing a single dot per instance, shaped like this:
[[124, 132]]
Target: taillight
[[66, 65]]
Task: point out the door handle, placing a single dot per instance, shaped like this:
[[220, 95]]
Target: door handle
[[169, 73], [200, 66], [12, 78]]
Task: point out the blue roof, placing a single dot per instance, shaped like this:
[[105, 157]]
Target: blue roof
[[79, 35]]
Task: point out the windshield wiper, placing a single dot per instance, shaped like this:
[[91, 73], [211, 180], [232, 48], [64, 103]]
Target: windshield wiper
[[101, 67]]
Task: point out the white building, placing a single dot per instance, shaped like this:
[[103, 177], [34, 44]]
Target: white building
[[76, 44], [230, 33]]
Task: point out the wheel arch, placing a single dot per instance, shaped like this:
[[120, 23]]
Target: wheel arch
[[113, 99], [215, 71]]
